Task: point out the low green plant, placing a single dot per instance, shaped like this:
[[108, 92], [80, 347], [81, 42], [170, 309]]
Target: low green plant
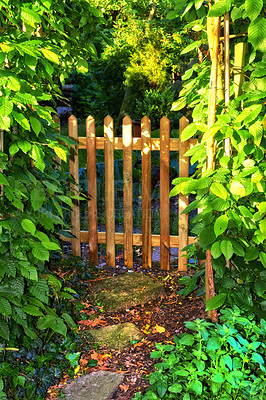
[[222, 361]]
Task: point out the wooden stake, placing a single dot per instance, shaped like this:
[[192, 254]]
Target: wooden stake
[[227, 144], [92, 190], [183, 201], [127, 191]]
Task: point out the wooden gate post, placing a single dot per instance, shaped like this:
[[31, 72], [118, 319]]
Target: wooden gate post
[[74, 172], [183, 200]]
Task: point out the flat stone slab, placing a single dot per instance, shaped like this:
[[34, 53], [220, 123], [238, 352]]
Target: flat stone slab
[[99, 385], [116, 337], [156, 256], [124, 291]]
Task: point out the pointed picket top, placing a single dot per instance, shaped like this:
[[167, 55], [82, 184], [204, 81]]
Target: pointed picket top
[[145, 123], [108, 127], [72, 118], [165, 120], [127, 120], [183, 122], [90, 126]]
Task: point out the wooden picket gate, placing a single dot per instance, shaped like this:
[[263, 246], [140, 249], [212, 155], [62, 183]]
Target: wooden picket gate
[[127, 143]]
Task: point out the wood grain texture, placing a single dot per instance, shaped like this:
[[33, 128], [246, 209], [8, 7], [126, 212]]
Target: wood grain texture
[[74, 172], [92, 190], [109, 191], [164, 192], [127, 191], [146, 191], [183, 200]]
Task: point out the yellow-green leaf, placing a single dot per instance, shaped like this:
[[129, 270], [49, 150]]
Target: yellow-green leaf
[[50, 55]]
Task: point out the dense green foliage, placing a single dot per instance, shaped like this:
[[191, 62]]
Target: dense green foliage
[[40, 44], [218, 361], [232, 197]]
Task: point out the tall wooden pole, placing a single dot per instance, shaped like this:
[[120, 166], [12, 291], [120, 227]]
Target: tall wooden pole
[[227, 144], [213, 37]]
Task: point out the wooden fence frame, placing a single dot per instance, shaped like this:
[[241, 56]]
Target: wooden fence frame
[[127, 143]]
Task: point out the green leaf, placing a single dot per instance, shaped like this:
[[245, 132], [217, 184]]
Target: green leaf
[[40, 252], [260, 287], [61, 153], [69, 320], [220, 8], [82, 66], [227, 249], [216, 302], [40, 290], [50, 55], [237, 189], [6, 107], [28, 270], [54, 323], [187, 340], [37, 198], [5, 307], [220, 225], [210, 133], [262, 225], [30, 17], [4, 329], [252, 253], [191, 46], [196, 386], [257, 34], [66, 200], [262, 257], [3, 180], [22, 120], [161, 387], [32, 310], [24, 145], [219, 190], [253, 8], [179, 104], [51, 246], [4, 123], [216, 251], [28, 226], [213, 344], [175, 388], [219, 378], [36, 125]]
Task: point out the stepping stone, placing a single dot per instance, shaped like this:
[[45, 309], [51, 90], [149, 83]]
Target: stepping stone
[[118, 293], [116, 337], [99, 385], [156, 256]]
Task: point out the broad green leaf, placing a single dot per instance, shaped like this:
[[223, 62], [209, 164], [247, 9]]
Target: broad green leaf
[[32, 310], [216, 302], [179, 104], [161, 387], [13, 83], [175, 388], [220, 225], [219, 378], [238, 249], [4, 123], [40, 252], [249, 113], [36, 125], [5, 307], [191, 47], [38, 155], [4, 329], [227, 248], [66, 200], [28, 226], [262, 257], [219, 190], [252, 253], [3, 180], [82, 66], [260, 287], [213, 343], [50, 55], [69, 320], [257, 34], [30, 17], [22, 120], [253, 8], [24, 145], [262, 207], [196, 386], [210, 133], [28, 270], [40, 290], [262, 225], [37, 198], [54, 323], [237, 189], [216, 250], [61, 153], [42, 236], [245, 212], [6, 107], [220, 8], [51, 246], [187, 340]]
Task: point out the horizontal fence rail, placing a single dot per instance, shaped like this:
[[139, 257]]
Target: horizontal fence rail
[[128, 143]]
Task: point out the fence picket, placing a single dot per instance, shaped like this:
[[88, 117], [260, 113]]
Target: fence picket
[[183, 200], [127, 191], [146, 191], [92, 190], [164, 192], [109, 191], [74, 171]]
